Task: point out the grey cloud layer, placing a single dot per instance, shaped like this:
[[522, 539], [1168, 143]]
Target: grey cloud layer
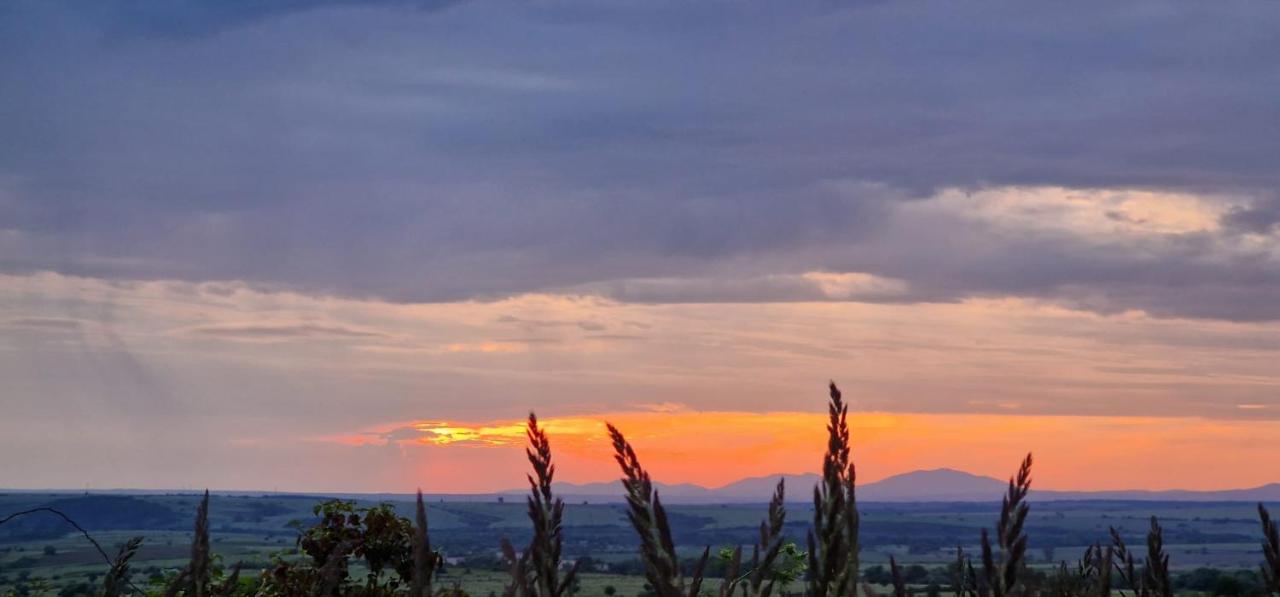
[[488, 148]]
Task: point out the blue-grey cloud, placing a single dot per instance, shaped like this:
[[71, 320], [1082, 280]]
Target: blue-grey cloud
[[188, 18], [47, 324], [1261, 218], [495, 148], [273, 332]]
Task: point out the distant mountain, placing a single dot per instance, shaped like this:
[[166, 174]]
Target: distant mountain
[[614, 489], [799, 487], [932, 486], [936, 485]]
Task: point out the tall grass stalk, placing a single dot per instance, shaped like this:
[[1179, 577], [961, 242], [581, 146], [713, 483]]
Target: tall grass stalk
[[649, 519], [833, 541], [1095, 570], [765, 554], [895, 572], [201, 565], [425, 561], [1124, 562], [196, 578], [1153, 579], [517, 568], [1091, 577], [117, 579], [546, 512], [1156, 578], [1271, 550], [1002, 576], [763, 575], [964, 580], [732, 569]]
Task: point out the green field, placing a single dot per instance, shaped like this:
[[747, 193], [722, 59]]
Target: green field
[[40, 550]]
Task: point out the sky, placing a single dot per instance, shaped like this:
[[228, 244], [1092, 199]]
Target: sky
[[325, 245]]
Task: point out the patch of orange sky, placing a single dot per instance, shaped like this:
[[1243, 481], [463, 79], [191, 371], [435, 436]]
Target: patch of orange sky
[[716, 448]]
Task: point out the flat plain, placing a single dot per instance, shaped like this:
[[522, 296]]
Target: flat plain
[[43, 550]]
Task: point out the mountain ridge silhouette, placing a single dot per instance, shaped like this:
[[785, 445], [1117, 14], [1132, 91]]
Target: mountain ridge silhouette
[[925, 485]]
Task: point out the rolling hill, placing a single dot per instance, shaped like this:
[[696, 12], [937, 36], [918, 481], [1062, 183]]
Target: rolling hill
[[936, 485]]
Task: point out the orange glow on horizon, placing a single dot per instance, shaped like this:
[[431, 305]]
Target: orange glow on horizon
[[716, 448]]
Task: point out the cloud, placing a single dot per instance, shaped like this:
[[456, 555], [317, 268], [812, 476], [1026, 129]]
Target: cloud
[[440, 433], [49, 324], [267, 332], [477, 152], [415, 392], [808, 286], [1261, 217], [207, 350], [189, 18], [487, 347], [663, 407]]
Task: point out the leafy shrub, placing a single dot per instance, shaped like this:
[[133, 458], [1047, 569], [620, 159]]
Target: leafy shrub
[[389, 546]]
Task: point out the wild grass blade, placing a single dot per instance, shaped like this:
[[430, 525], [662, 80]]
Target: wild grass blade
[[194, 580], [201, 558], [1002, 577], [1270, 550], [117, 580], [899, 586], [1093, 576], [176, 585], [229, 585], [990, 570], [649, 519], [73, 524], [732, 569], [833, 541], [425, 561], [1104, 573], [770, 544], [517, 568], [546, 512], [1123, 562], [960, 585], [1156, 579], [695, 579]]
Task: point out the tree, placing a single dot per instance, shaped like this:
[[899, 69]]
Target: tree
[[395, 552]]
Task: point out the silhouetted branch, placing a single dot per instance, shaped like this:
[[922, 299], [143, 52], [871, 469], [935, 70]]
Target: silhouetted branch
[[121, 559]]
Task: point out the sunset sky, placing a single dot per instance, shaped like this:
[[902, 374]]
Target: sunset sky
[[333, 245]]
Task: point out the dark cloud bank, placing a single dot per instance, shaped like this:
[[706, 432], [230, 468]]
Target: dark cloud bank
[[423, 151]]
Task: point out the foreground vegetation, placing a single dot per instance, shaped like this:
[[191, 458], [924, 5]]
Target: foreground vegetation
[[354, 549]]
